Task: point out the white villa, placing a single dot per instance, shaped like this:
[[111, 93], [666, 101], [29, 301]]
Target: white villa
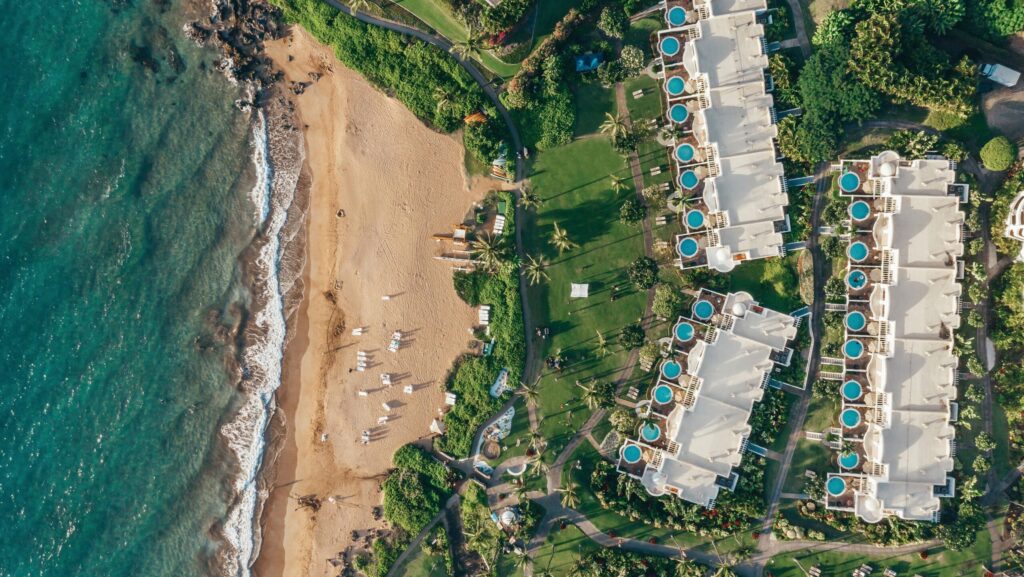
[[903, 304], [1015, 222], [731, 186], [695, 424]]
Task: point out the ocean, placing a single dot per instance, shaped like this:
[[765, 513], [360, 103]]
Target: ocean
[[139, 252]]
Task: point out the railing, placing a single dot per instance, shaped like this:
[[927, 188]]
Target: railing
[[656, 461], [830, 376], [764, 380], [835, 307]]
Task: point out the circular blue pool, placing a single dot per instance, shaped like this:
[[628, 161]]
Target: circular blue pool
[[860, 210], [669, 46], [703, 310], [849, 460], [684, 331], [689, 180], [849, 182], [662, 394], [688, 247], [671, 370], [836, 486], [685, 152], [632, 454], [850, 418], [858, 251], [695, 219], [853, 349], [851, 390], [856, 279], [675, 86], [676, 16], [678, 113], [855, 321], [650, 432]]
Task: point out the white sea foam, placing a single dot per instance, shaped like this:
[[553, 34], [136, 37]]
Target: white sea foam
[[278, 156]]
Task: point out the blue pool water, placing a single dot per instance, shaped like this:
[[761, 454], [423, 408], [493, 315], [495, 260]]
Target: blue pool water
[[675, 86], [858, 251], [856, 279], [650, 432], [836, 486], [855, 321], [662, 394], [689, 180], [853, 349], [676, 16], [850, 417], [684, 331], [849, 182], [695, 219], [678, 113], [671, 369], [849, 460], [669, 46], [852, 390], [631, 453], [860, 210], [685, 152], [688, 247], [703, 310]]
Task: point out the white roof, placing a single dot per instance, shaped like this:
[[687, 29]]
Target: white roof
[[732, 367], [732, 6], [729, 50], [923, 302]]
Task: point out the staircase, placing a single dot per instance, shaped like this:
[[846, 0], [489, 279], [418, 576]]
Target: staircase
[[835, 307]]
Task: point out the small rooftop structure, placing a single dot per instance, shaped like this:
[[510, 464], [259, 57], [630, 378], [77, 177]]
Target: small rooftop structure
[[718, 368], [715, 67], [907, 236]]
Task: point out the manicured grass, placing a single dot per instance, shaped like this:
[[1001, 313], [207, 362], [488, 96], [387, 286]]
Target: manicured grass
[[1000, 432], [939, 563], [549, 13], [821, 414], [562, 550], [639, 33], [808, 455], [573, 182], [420, 564], [593, 101], [647, 106], [439, 18], [774, 282]]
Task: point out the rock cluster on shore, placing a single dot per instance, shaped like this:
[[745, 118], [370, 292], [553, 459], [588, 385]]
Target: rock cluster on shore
[[239, 28]]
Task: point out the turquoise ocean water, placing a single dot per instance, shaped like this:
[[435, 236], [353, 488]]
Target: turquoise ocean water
[[127, 185]]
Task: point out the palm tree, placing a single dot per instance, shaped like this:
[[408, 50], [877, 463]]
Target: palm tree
[[490, 252], [471, 46], [540, 468], [534, 269], [618, 183], [442, 98], [537, 441], [531, 393], [591, 397], [358, 6], [602, 345], [560, 240], [614, 125], [570, 495], [528, 198]]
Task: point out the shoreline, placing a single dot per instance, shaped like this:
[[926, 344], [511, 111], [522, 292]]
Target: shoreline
[[380, 183]]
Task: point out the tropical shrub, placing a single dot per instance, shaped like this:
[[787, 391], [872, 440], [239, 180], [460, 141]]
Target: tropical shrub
[[998, 154]]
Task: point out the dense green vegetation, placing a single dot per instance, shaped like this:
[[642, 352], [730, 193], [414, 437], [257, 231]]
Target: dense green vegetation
[[998, 153], [472, 377], [415, 490], [426, 79]]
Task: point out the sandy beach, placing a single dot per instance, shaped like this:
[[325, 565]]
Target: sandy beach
[[381, 184]]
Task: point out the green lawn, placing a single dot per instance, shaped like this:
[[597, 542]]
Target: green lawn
[[821, 414], [438, 17], [592, 102], [573, 181], [562, 549], [808, 455], [420, 564], [639, 33], [647, 106], [774, 282], [939, 562]]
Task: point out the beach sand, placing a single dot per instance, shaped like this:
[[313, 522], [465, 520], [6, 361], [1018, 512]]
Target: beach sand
[[397, 182]]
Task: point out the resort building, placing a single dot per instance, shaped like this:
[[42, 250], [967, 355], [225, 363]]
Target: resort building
[[717, 365], [899, 380], [721, 118], [1014, 225]]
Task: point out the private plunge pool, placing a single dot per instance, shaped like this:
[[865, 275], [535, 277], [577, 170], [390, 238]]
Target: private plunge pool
[[855, 321], [859, 210], [662, 394], [695, 219], [676, 16], [678, 113], [675, 86], [849, 182], [849, 460], [688, 180], [650, 432], [688, 247], [853, 349], [836, 486], [856, 279], [850, 418], [703, 310], [632, 454], [671, 370], [684, 332], [858, 251], [851, 390], [669, 46], [685, 152]]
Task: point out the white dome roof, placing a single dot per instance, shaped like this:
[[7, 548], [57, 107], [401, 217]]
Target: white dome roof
[[739, 309]]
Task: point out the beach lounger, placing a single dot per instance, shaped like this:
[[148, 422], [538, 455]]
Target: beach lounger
[[637, 94], [407, 389], [358, 331], [387, 406], [382, 420], [385, 379], [364, 394], [499, 225], [361, 368]]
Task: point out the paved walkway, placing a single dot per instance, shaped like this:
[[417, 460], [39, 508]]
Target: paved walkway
[[799, 24]]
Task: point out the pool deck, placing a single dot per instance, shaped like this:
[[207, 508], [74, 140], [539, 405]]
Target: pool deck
[[913, 309], [728, 369]]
